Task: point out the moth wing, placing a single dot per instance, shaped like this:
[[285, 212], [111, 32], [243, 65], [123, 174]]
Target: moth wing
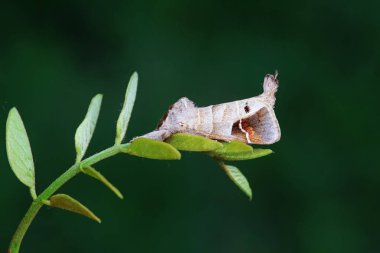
[[265, 126], [260, 128]]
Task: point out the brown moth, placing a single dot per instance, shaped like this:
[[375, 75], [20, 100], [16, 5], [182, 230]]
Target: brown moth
[[249, 120]]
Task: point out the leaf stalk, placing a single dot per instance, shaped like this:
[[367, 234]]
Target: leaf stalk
[[41, 199]]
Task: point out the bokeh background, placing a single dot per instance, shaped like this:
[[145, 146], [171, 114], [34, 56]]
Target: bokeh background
[[319, 192]]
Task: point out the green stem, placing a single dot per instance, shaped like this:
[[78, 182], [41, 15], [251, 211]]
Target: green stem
[[51, 189]]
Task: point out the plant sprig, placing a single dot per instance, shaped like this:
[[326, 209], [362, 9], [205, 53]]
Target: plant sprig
[[21, 159]]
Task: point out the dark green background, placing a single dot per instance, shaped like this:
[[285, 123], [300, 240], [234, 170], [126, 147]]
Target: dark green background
[[318, 193]]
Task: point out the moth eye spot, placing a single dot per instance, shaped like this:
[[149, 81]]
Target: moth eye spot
[[246, 108]]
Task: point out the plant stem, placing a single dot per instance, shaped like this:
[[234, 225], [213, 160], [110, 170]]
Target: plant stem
[[52, 188]]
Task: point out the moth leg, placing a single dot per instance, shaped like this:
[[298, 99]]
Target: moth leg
[[160, 135]]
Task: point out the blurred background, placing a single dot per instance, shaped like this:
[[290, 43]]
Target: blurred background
[[317, 193]]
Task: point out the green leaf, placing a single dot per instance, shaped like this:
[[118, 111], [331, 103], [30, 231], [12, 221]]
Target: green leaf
[[234, 147], [86, 129], [66, 202], [153, 149], [97, 175], [191, 142], [238, 178], [126, 111], [19, 151], [236, 150], [259, 152]]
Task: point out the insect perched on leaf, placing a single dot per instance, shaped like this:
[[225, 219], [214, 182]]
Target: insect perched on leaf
[[249, 120]]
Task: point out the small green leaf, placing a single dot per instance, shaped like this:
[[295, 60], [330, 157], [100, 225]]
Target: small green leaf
[[19, 151], [66, 202], [236, 150], [234, 147], [97, 175], [238, 178], [126, 111], [86, 129], [191, 142], [259, 152], [153, 149]]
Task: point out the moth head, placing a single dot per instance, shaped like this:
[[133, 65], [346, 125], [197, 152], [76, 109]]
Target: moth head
[[177, 115], [270, 87], [261, 127]]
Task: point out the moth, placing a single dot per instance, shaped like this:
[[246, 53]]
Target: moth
[[250, 120]]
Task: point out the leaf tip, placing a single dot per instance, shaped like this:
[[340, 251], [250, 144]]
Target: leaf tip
[[92, 172], [68, 203], [176, 155], [135, 75], [249, 194], [13, 110], [238, 178], [133, 80], [120, 195], [98, 96], [97, 219]]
